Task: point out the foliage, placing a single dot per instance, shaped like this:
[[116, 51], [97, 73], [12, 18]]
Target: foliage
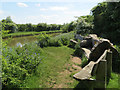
[[114, 81], [39, 27], [116, 62], [62, 39], [106, 20], [65, 28], [43, 39], [18, 63], [78, 51], [68, 27], [7, 20], [106, 25], [84, 25], [8, 24], [84, 61]]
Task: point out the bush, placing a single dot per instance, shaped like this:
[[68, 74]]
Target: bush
[[62, 39], [78, 51], [19, 63], [43, 40]]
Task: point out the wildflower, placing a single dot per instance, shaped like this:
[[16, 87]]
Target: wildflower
[[10, 49], [19, 45]]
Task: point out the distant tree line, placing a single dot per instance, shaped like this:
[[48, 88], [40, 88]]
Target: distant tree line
[[8, 24], [83, 22]]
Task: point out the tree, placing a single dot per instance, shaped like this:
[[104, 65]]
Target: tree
[[10, 26], [65, 27], [22, 27], [107, 20], [84, 24], [9, 20], [42, 27], [29, 27], [99, 19]]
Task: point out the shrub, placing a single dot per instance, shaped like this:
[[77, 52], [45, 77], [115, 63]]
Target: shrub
[[43, 40], [78, 51], [62, 39], [19, 63]]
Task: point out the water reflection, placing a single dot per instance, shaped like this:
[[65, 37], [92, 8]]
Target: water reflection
[[20, 41]]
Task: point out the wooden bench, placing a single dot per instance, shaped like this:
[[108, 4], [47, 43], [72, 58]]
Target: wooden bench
[[90, 69], [85, 50], [73, 41], [100, 69], [100, 58]]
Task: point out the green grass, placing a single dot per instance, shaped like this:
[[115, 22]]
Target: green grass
[[29, 33], [114, 81], [54, 62]]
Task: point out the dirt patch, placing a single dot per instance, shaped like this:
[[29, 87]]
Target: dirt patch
[[76, 60], [76, 67], [64, 78], [65, 73]]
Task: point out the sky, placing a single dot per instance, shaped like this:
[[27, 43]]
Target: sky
[[45, 11]]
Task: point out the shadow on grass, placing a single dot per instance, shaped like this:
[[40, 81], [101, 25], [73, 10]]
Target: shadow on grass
[[85, 85], [88, 85]]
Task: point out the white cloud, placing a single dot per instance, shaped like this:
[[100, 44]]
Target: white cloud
[[56, 8], [49, 19], [43, 9], [38, 5], [41, 19], [22, 4], [1, 12]]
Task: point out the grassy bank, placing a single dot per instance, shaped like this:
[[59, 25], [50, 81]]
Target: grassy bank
[[18, 34], [114, 81], [48, 71]]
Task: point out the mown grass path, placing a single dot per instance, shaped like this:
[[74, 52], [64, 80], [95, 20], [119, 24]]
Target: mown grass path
[[65, 78], [56, 70]]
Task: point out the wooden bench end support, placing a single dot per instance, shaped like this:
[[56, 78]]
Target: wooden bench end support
[[85, 73]]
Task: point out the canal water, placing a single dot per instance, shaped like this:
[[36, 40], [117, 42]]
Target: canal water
[[20, 40], [24, 39]]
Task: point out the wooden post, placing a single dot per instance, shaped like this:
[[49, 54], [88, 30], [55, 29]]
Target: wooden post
[[109, 64], [101, 74]]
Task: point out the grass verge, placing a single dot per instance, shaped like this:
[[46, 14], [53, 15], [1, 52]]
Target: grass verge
[[114, 81], [54, 60], [18, 34]]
